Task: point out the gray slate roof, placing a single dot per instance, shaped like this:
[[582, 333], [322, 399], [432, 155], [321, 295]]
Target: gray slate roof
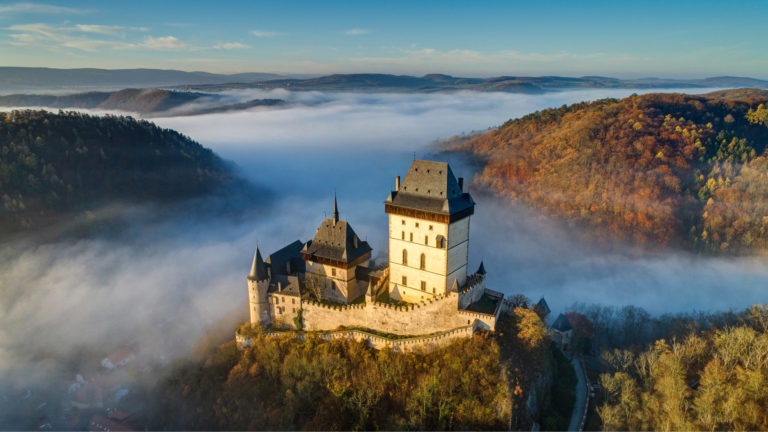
[[431, 186], [258, 268], [544, 306], [562, 324], [336, 240], [290, 253], [286, 285]]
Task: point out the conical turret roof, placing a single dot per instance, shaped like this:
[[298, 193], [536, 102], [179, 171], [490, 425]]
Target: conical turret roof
[[258, 268]]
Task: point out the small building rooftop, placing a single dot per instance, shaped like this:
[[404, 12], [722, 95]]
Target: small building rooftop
[[562, 324]]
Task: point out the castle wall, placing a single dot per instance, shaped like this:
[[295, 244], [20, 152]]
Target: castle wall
[[283, 309], [417, 319], [425, 241], [458, 252], [458, 232], [401, 345], [339, 283], [472, 293]]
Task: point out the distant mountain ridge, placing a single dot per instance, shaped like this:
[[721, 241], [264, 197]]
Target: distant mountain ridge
[[29, 79], [443, 83], [141, 101], [15, 79]]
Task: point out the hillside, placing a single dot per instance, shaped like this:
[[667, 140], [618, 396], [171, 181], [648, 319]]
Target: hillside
[[141, 101], [54, 166], [446, 83], [706, 380], [660, 169], [478, 383]]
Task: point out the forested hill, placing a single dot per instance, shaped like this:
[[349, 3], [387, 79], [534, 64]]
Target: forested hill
[[141, 101], [55, 165], [664, 169]]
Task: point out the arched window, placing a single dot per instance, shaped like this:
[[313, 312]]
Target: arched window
[[423, 262], [440, 241], [405, 257]]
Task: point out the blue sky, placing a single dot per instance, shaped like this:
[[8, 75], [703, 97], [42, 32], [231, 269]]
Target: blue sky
[[573, 38]]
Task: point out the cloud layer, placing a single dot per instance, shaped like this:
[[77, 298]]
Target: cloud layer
[[163, 285]]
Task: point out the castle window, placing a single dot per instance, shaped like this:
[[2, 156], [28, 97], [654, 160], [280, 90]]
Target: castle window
[[405, 281], [411, 236], [333, 272], [417, 224], [294, 310], [293, 301], [434, 291], [403, 222], [426, 240], [405, 257], [440, 241], [430, 227], [423, 286], [423, 262], [403, 238]]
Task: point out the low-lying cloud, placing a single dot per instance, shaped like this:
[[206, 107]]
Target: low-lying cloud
[[163, 285]]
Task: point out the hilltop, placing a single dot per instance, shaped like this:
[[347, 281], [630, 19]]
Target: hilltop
[[141, 101], [59, 167], [445, 83], [31, 78], [491, 381], [657, 169]]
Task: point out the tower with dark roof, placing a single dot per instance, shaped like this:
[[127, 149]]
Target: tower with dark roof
[[258, 285], [332, 258], [428, 232]]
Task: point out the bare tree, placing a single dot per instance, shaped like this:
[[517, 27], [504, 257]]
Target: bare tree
[[314, 286]]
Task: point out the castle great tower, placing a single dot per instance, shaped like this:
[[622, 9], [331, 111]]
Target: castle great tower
[[428, 232]]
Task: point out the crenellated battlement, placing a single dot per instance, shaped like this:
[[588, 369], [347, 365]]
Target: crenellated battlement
[[427, 342]]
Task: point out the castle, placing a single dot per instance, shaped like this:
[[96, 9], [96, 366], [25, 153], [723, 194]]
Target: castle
[[425, 291]]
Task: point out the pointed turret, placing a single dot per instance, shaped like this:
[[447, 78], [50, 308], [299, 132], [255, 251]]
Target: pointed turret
[[481, 270], [258, 268], [455, 286], [335, 209]]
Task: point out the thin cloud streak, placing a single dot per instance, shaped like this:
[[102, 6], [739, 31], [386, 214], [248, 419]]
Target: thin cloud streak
[[356, 32], [264, 33], [78, 37], [40, 8]]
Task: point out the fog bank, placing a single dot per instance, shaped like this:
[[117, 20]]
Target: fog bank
[[163, 287]]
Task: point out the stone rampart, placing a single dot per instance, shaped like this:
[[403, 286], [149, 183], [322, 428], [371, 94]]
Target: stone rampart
[[428, 316], [427, 342], [472, 290]]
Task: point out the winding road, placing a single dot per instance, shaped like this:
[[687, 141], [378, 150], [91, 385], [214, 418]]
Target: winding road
[[580, 405]]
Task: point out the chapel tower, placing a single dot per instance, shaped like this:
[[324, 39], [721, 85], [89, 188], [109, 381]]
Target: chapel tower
[[333, 258], [428, 232]]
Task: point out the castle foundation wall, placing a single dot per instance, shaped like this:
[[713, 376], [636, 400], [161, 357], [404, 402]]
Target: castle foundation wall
[[416, 319]]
